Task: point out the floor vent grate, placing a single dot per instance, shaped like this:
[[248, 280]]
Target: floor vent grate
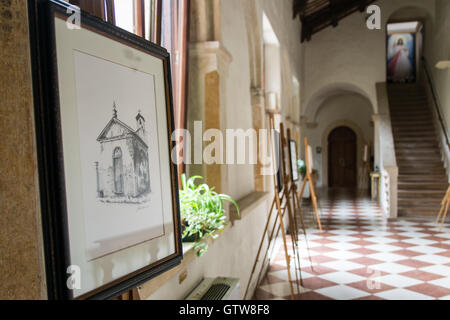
[[216, 292]]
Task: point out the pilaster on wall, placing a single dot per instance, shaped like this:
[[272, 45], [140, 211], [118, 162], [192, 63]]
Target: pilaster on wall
[[208, 67], [21, 258], [258, 116]]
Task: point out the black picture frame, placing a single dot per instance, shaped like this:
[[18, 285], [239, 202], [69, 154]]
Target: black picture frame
[[279, 166], [50, 150], [293, 161]]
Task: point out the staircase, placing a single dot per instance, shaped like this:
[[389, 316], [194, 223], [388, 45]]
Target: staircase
[[422, 180]]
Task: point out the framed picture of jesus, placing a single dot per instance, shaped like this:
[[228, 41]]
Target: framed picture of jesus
[[401, 57]]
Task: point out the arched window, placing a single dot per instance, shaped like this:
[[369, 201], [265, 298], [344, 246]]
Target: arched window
[[118, 170]]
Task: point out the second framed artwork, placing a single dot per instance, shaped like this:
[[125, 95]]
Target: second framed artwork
[[104, 124], [293, 160]]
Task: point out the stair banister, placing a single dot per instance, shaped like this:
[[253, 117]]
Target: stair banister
[[438, 112]]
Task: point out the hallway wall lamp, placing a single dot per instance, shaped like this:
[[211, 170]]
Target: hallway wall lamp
[[443, 65]]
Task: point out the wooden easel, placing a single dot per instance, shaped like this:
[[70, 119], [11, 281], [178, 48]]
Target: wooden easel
[[309, 179], [294, 196], [280, 215], [444, 208], [293, 225]]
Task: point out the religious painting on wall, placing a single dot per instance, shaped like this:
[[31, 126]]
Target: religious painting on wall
[[401, 57], [110, 194]]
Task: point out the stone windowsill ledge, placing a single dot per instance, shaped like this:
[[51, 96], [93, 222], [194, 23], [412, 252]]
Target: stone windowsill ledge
[[247, 205]]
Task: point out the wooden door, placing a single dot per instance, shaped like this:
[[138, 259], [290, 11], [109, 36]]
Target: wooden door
[[342, 158]]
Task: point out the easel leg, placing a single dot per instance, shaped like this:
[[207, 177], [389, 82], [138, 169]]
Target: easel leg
[[302, 189], [286, 253], [269, 245], [445, 215], [260, 247], [294, 235], [316, 208], [446, 199], [441, 212]]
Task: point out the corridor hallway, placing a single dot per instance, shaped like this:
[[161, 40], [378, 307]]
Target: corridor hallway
[[361, 255]]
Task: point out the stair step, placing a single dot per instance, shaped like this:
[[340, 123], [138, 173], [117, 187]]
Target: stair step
[[433, 194], [414, 134], [419, 162], [419, 158], [415, 139], [413, 130], [421, 171], [406, 146], [415, 211], [420, 202], [408, 108], [410, 117], [407, 101], [418, 186], [408, 124], [423, 178], [400, 152]]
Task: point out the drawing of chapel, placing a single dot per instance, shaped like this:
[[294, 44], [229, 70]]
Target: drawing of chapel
[[123, 169]]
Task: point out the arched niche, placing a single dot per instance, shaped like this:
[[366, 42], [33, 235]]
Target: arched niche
[[407, 10], [329, 91]]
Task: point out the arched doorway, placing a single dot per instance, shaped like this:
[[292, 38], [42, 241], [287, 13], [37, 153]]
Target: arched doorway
[[342, 147]]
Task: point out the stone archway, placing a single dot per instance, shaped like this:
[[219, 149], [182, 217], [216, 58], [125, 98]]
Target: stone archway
[[327, 91]]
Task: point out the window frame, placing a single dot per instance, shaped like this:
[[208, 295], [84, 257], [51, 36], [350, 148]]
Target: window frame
[[105, 10]]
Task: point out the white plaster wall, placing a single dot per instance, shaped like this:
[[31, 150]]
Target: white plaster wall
[[351, 56], [349, 110], [288, 33], [440, 50], [238, 110]]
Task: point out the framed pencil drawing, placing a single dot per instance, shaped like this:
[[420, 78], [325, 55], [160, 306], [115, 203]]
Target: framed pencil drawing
[[104, 122]]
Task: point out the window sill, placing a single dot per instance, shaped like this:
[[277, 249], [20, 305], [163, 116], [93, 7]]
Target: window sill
[[247, 204]]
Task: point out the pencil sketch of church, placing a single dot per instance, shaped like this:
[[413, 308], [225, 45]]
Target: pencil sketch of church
[[123, 169]]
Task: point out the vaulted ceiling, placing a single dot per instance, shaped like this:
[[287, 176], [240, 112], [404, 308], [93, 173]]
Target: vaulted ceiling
[[316, 15]]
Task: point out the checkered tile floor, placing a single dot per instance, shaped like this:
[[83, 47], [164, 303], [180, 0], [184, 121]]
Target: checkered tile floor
[[361, 256]]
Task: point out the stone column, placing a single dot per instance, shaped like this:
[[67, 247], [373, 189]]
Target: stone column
[[258, 116], [207, 73]]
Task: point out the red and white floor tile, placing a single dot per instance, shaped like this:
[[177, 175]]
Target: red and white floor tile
[[360, 255]]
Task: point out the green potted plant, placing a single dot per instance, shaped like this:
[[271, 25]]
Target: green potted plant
[[202, 213], [301, 168]]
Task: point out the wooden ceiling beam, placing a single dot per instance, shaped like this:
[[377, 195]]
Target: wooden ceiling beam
[[316, 15]]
